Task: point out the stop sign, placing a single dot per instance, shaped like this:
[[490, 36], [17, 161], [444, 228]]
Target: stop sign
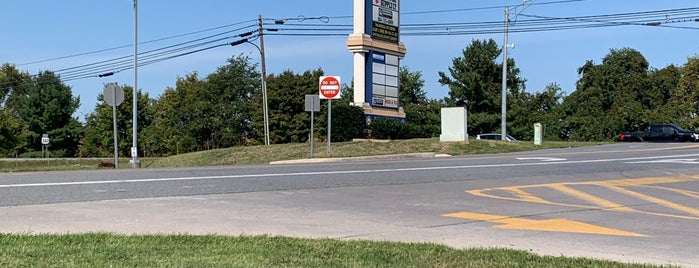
[[329, 87]]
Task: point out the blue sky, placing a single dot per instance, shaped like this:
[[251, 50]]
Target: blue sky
[[38, 30]]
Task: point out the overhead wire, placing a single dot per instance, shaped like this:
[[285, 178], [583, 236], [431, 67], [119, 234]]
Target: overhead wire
[[119, 64], [282, 27]]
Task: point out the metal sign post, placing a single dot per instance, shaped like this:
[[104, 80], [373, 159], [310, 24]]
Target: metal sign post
[[312, 105], [45, 145], [330, 104], [113, 95]]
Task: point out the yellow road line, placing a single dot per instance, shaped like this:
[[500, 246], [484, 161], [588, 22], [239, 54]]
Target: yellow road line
[[591, 198], [524, 195], [656, 200], [549, 225], [680, 191]]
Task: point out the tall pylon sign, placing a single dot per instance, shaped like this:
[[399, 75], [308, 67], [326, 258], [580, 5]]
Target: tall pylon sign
[[377, 49]]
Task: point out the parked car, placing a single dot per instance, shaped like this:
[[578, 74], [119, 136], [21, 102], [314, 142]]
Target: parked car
[[661, 132], [494, 136]]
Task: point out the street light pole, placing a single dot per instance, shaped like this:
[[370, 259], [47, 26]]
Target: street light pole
[[264, 81], [134, 149], [503, 119]]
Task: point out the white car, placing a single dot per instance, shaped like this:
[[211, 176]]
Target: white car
[[494, 136]]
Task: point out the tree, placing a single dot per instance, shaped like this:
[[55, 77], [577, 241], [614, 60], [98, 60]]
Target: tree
[[12, 81], [288, 120], [526, 109], [609, 96], [215, 112], [12, 133], [424, 119], [233, 94], [46, 106], [475, 82], [410, 88], [685, 98]]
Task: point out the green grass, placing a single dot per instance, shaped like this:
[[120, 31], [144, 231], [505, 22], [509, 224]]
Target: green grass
[[108, 250], [264, 154]]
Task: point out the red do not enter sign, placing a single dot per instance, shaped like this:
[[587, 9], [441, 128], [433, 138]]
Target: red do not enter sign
[[329, 87]]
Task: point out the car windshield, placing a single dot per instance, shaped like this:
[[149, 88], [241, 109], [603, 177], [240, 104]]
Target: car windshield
[[679, 128]]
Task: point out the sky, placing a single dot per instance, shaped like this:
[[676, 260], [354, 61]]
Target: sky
[[39, 35]]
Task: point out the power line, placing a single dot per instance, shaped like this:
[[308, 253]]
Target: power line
[[536, 24], [131, 45]]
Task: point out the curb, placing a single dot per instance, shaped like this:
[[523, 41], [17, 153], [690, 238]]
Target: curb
[[358, 158]]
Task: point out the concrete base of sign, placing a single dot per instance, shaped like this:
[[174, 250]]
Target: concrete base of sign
[[454, 124]]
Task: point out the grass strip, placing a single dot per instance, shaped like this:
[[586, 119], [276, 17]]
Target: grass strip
[[111, 250]]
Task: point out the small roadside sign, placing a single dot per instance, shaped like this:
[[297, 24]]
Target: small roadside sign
[[312, 103], [113, 94]]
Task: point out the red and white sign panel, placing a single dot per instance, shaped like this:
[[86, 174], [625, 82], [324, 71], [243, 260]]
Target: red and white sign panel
[[329, 87]]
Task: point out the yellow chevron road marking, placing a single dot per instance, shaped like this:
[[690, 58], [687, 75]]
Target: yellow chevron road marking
[[548, 225]]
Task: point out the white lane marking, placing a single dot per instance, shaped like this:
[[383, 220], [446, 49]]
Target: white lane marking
[[670, 161], [545, 159], [333, 172]]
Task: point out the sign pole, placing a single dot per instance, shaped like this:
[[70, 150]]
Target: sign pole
[[114, 95], [114, 122], [330, 102], [311, 133]]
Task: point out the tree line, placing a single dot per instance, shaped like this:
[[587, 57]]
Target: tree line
[[224, 108]]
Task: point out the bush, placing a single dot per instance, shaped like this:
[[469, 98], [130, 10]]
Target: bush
[[424, 119], [392, 129], [347, 122]]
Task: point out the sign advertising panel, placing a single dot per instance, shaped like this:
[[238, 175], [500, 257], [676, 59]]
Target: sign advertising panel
[[384, 79], [385, 20]]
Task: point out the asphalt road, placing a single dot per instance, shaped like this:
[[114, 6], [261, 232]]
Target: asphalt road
[[636, 202]]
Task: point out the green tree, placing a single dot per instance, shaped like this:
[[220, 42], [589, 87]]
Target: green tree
[[12, 81], [215, 112], [658, 101], [12, 133], [685, 98], [525, 109], [609, 96], [475, 82], [424, 119], [232, 93], [288, 120], [46, 106], [410, 88]]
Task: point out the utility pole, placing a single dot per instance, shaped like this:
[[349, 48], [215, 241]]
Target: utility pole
[[264, 82], [503, 119]]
